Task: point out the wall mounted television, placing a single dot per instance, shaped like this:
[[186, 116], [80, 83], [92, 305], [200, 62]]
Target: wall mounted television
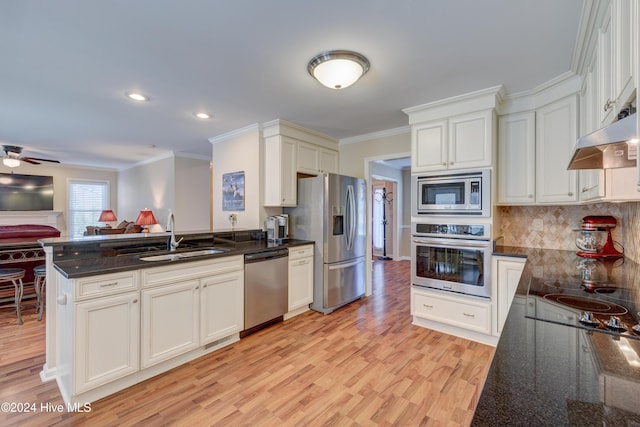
[[26, 192]]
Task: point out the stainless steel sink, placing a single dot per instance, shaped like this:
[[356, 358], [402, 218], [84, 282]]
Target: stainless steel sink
[[182, 255]]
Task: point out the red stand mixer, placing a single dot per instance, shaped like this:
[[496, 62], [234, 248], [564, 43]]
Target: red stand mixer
[[595, 239]]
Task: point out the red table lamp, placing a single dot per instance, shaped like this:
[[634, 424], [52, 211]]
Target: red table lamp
[[145, 219]]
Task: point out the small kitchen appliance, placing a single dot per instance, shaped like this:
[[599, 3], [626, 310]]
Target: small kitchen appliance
[[594, 239]]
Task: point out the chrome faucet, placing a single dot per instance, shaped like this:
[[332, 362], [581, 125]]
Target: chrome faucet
[[172, 244]]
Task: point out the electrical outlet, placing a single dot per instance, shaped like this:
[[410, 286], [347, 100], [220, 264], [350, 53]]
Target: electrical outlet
[[537, 224]]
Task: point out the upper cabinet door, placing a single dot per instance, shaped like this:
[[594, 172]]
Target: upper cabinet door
[[556, 134], [516, 158], [626, 46], [471, 140], [606, 98], [429, 146]]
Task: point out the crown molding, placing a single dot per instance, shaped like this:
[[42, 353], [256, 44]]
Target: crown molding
[[376, 135], [235, 133]]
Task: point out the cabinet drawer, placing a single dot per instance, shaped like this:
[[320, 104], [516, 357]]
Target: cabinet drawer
[[107, 284], [191, 270], [300, 252], [469, 314]]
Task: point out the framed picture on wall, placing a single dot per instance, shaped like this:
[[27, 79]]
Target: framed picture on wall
[[233, 191]]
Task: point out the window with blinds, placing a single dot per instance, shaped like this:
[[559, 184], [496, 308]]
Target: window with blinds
[[86, 200]]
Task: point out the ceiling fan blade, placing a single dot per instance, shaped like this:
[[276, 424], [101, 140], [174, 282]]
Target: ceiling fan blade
[[27, 159]]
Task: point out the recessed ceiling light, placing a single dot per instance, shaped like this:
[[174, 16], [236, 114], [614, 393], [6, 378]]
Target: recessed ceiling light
[[202, 116], [136, 96]]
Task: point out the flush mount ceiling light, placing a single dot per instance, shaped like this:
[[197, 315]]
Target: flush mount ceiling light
[[136, 96], [338, 69], [11, 162], [202, 115]]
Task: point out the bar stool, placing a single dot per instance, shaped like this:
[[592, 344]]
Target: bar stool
[[39, 282], [15, 276]]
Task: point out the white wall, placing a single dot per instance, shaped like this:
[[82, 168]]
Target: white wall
[[150, 185], [352, 156], [239, 152], [168, 182], [61, 173], [192, 208]]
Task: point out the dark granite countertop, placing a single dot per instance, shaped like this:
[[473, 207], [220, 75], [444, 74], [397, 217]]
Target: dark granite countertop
[[555, 373], [75, 261]]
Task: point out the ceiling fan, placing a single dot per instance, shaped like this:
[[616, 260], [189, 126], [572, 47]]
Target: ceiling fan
[[12, 157]]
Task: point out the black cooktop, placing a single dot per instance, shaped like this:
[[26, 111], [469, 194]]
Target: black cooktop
[[595, 297]]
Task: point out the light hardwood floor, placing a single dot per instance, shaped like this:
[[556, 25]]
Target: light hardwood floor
[[364, 364]]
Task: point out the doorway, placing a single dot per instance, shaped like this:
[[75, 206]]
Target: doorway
[[384, 220]]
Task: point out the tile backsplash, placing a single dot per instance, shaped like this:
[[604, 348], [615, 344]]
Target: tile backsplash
[[552, 227]]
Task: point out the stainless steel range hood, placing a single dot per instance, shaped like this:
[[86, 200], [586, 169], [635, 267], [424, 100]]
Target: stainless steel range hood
[[607, 148]]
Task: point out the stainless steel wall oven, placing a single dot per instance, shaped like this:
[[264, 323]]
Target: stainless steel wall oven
[[452, 257]]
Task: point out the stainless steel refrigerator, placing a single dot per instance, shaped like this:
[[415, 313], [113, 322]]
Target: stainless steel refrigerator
[[331, 211]]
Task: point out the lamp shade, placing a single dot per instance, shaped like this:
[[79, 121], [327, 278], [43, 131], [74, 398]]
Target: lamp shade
[[107, 215], [145, 217], [338, 69]]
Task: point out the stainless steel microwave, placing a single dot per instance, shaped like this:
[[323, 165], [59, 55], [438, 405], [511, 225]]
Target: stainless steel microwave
[[465, 194]]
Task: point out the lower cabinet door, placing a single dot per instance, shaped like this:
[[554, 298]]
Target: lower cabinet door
[[107, 340], [300, 282], [221, 306], [170, 321]]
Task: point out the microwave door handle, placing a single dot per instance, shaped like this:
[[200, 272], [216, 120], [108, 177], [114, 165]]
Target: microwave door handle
[[451, 244]]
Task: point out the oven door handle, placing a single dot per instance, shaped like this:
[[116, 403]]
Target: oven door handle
[[452, 243]]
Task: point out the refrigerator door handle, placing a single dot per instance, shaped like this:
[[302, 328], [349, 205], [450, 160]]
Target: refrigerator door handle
[[351, 217], [345, 265]]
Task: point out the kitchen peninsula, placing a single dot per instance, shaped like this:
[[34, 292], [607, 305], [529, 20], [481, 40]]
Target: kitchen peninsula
[[551, 369], [125, 309]]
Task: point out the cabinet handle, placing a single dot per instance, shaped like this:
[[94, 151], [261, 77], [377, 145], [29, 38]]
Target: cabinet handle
[[450, 163], [609, 105], [62, 299], [427, 305], [135, 301], [304, 261], [468, 315], [585, 189], [444, 163], [104, 285], [197, 287], [530, 196], [204, 286], [570, 193]]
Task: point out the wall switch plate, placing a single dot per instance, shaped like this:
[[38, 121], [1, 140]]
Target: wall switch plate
[[537, 224]]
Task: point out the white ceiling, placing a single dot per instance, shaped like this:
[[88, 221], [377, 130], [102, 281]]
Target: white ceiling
[[66, 64]]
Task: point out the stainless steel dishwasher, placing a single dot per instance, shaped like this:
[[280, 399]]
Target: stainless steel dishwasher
[[266, 284]]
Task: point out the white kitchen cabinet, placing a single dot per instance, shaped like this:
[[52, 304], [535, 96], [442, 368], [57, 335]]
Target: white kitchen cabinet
[[606, 85], [107, 340], [626, 49], [170, 321], [617, 51], [462, 312], [591, 181], [556, 134], [458, 142], [300, 277], [516, 158], [313, 159], [221, 306], [289, 149], [97, 331], [506, 272], [280, 185]]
